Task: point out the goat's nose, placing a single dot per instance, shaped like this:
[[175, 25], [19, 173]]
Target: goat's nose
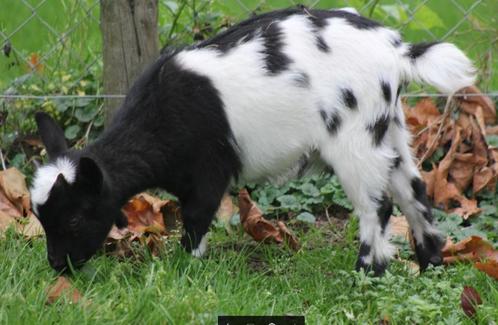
[[57, 264]]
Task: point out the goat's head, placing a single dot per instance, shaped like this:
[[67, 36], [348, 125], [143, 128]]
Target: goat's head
[[71, 200]]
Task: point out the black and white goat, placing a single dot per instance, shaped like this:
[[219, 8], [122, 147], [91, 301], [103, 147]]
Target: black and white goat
[[272, 96]]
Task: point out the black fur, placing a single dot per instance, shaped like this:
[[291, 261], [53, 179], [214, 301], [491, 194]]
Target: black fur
[[173, 132], [248, 29], [398, 92], [417, 50], [51, 134], [379, 129], [333, 122], [349, 99], [386, 91], [384, 211], [396, 42], [429, 252], [397, 162], [420, 195], [322, 45], [377, 268], [276, 60], [397, 121]]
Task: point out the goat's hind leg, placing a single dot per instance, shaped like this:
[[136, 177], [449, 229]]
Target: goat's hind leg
[[410, 194], [364, 173]]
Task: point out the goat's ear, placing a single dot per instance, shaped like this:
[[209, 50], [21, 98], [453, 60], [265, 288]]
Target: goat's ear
[[89, 177], [121, 221], [51, 134], [60, 186]]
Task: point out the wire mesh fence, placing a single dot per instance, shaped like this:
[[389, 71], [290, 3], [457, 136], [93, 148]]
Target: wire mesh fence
[[51, 52], [49, 39]]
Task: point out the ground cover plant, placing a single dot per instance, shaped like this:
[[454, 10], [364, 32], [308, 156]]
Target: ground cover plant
[[145, 276]]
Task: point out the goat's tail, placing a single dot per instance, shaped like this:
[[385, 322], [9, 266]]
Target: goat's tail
[[441, 65]]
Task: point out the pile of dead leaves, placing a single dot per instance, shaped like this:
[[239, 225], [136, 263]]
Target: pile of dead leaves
[[147, 219], [459, 135]]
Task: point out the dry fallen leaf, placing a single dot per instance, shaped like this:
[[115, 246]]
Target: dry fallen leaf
[[470, 103], [225, 212], [258, 227], [469, 300], [13, 185], [62, 288], [473, 248], [490, 267], [144, 215], [399, 227]]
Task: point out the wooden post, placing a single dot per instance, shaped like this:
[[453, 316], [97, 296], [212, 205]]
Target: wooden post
[[130, 42]]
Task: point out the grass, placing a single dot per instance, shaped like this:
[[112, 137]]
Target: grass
[[239, 277]]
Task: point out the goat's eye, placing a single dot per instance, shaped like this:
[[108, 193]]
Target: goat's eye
[[74, 222]]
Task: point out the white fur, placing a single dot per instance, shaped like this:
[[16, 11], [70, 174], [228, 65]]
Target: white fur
[[202, 248], [276, 123], [445, 67], [45, 178]]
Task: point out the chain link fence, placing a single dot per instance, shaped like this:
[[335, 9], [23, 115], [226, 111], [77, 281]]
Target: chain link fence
[[51, 52], [46, 37]]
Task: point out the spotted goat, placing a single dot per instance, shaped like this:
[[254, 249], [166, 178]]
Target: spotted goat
[[273, 97]]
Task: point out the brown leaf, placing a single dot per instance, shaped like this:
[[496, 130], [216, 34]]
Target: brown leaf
[[480, 147], [144, 215], [6, 221], [400, 227], [482, 178], [13, 185], [489, 267], [470, 104], [258, 227], [430, 180], [462, 170], [287, 236], [226, 211], [62, 288], [469, 300], [473, 248], [424, 113]]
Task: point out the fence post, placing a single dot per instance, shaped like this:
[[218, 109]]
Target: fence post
[[130, 42]]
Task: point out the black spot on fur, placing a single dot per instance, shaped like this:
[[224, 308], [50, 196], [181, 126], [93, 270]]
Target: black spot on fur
[[398, 92], [248, 29], [417, 50], [397, 162], [386, 91], [332, 122], [276, 60], [384, 211], [322, 45], [420, 195], [379, 129], [429, 252], [302, 80], [377, 268], [354, 20], [396, 41], [349, 99], [364, 250], [397, 121]]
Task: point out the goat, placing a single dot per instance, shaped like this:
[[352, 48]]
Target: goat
[[273, 96]]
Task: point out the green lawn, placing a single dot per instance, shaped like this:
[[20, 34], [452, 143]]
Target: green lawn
[[239, 277]]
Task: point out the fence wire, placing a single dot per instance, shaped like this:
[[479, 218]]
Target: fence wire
[[53, 39]]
